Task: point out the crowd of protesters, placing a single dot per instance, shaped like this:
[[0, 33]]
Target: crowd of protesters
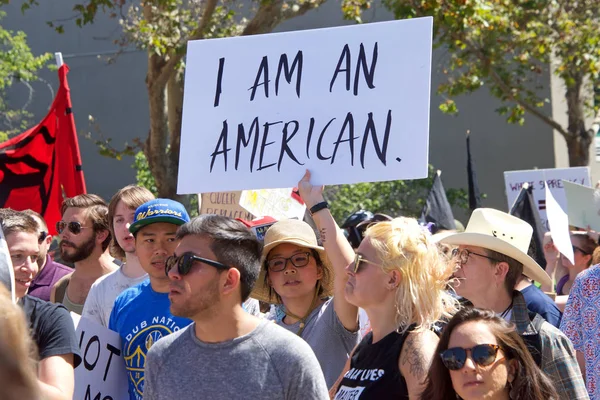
[[378, 308]]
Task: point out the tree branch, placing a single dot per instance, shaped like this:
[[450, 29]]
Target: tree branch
[[169, 67], [272, 13]]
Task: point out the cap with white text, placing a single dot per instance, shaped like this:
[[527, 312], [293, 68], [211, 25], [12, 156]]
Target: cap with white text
[[159, 210]]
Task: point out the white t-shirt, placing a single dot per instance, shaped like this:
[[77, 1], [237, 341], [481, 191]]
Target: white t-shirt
[[104, 292]]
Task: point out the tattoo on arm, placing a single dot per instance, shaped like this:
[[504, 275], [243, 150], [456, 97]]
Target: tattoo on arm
[[322, 233], [414, 358]]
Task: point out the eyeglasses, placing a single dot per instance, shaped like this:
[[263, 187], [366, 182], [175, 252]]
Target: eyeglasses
[[482, 354], [298, 260], [463, 255], [579, 249], [358, 258], [186, 260], [43, 235], [74, 227]]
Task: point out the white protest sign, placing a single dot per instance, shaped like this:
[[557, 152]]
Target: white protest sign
[[276, 203], [583, 206], [7, 273], [536, 177], [101, 374], [351, 104], [559, 226]]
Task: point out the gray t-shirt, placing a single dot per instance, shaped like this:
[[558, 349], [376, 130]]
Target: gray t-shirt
[[326, 335], [266, 364]]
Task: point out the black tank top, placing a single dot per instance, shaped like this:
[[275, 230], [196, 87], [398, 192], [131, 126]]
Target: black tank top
[[374, 371]]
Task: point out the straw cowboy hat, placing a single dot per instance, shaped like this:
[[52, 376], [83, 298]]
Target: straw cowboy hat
[[503, 233], [295, 232]]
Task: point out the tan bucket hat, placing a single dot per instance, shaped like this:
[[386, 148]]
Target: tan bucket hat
[[501, 232], [296, 232]]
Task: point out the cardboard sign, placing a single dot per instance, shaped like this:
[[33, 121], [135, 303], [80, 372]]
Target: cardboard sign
[[351, 104], [559, 226], [583, 206], [224, 203], [101, 374], [7, 273], [536, 177], [276, 203]]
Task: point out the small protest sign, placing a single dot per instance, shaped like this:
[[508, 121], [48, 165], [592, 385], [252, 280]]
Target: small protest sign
[[536, 178], [224, 203], [583, 206], [276, 203], [101, 374], [7, 273], [351, 104]]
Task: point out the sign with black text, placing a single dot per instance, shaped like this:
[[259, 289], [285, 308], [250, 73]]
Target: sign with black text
[[351, 104], [101, 374]]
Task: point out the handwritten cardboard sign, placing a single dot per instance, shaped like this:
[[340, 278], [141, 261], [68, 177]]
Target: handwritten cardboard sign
[[7, 273], [351, 104], [583, 206], [224, 203], [101, 374], [276, 203], [536, 178]]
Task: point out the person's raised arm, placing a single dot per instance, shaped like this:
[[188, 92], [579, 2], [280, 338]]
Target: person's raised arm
[[338, 250]]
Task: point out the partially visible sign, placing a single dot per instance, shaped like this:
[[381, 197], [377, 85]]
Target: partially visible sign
[[276, 203], [7, 273], [101, 374], [583, 206], [559, 226], [224, 203], [536, 178]]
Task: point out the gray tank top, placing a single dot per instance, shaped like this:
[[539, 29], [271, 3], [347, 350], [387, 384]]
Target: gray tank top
[[76, 308]]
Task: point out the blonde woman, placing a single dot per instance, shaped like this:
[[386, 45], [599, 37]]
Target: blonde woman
[[17, 353], [399, 277]]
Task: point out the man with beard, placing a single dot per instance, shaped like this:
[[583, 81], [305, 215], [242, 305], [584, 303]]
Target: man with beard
[[105, 290], [226, 353], [141, 313], [50, 271], [50, 324], [84, 239]]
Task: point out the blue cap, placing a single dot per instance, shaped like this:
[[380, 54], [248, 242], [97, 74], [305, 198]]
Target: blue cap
[[159, 210]]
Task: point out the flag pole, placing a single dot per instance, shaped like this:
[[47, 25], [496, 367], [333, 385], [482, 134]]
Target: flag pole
[[59, 59]]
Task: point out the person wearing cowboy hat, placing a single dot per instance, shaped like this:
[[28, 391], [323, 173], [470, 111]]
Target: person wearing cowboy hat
[[306, 282], [490, 258]]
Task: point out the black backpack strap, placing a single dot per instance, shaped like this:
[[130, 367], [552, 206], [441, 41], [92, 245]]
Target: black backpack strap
[[534, 340]]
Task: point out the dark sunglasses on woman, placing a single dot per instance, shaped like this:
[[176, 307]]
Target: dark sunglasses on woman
[[73, 227], [482, 355], [186, 260]]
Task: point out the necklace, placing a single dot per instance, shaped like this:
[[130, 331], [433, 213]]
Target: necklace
[[505, 312], [312, 307]]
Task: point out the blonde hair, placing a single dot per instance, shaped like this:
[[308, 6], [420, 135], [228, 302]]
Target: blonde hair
[[421, 298], [18, 357]]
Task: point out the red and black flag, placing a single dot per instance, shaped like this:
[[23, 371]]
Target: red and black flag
[[40, 164], [525, 208], [437, 209]]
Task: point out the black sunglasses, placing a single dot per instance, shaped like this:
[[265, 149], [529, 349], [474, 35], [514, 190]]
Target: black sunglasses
[[74, 227], [186, 260], [575, 248], [43, 235], [482, 355], [298, 260]]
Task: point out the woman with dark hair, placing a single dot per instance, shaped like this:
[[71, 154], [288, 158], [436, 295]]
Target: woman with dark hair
[[481, 356]]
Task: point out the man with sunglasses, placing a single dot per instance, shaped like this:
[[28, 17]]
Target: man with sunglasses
[[50, 271], [141, 313], [50, 324], [226, 353], [490, 259], [84, 239]]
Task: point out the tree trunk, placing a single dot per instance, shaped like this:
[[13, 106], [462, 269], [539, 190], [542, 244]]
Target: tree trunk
[[579, 139]]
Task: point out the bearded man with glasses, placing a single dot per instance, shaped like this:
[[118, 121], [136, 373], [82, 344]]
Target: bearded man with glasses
[[141, 313], [84, 239], [226, 353], [490, 259]]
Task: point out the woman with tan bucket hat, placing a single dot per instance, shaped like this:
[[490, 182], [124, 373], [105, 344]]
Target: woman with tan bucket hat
[[306, 283], [399, 277]]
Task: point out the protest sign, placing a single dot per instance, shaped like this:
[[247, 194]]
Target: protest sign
[[101, 375], [559, 226], [7, 273], [536, 177], [351, 104], [224, 203], [583, 206], [276, 203]]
